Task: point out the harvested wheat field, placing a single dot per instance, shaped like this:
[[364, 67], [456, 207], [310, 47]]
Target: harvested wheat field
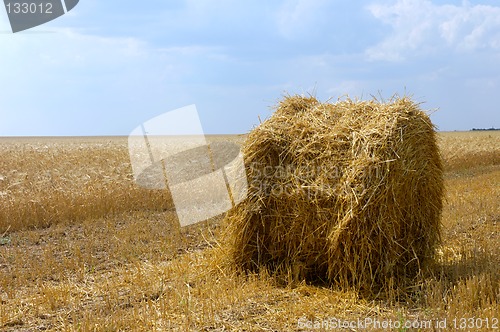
[[82, 248]]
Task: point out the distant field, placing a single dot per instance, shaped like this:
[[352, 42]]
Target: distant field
[[470, 149], [83, 248]]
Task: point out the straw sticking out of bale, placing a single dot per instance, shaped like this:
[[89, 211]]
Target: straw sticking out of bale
[[349, 193]]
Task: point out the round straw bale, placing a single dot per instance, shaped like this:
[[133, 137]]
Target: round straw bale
[[348, 193]]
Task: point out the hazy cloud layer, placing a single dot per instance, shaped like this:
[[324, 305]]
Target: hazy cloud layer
[[104, 69]]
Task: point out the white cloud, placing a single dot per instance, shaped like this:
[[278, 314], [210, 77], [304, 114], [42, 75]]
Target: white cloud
[[420, 27]]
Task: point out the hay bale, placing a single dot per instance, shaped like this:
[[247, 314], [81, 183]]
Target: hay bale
[[349, 193]]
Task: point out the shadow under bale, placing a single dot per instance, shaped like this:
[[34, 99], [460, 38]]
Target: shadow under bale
[[348, 193]]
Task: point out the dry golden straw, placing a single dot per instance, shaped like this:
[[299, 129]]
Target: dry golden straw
[[348, 193]]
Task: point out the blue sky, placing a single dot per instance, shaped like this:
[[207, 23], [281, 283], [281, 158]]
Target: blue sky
[[107, 66]]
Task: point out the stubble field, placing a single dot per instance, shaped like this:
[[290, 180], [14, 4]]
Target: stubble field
[[83, 248]]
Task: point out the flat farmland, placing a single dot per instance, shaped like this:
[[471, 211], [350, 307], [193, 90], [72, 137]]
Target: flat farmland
[[84, 248]]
